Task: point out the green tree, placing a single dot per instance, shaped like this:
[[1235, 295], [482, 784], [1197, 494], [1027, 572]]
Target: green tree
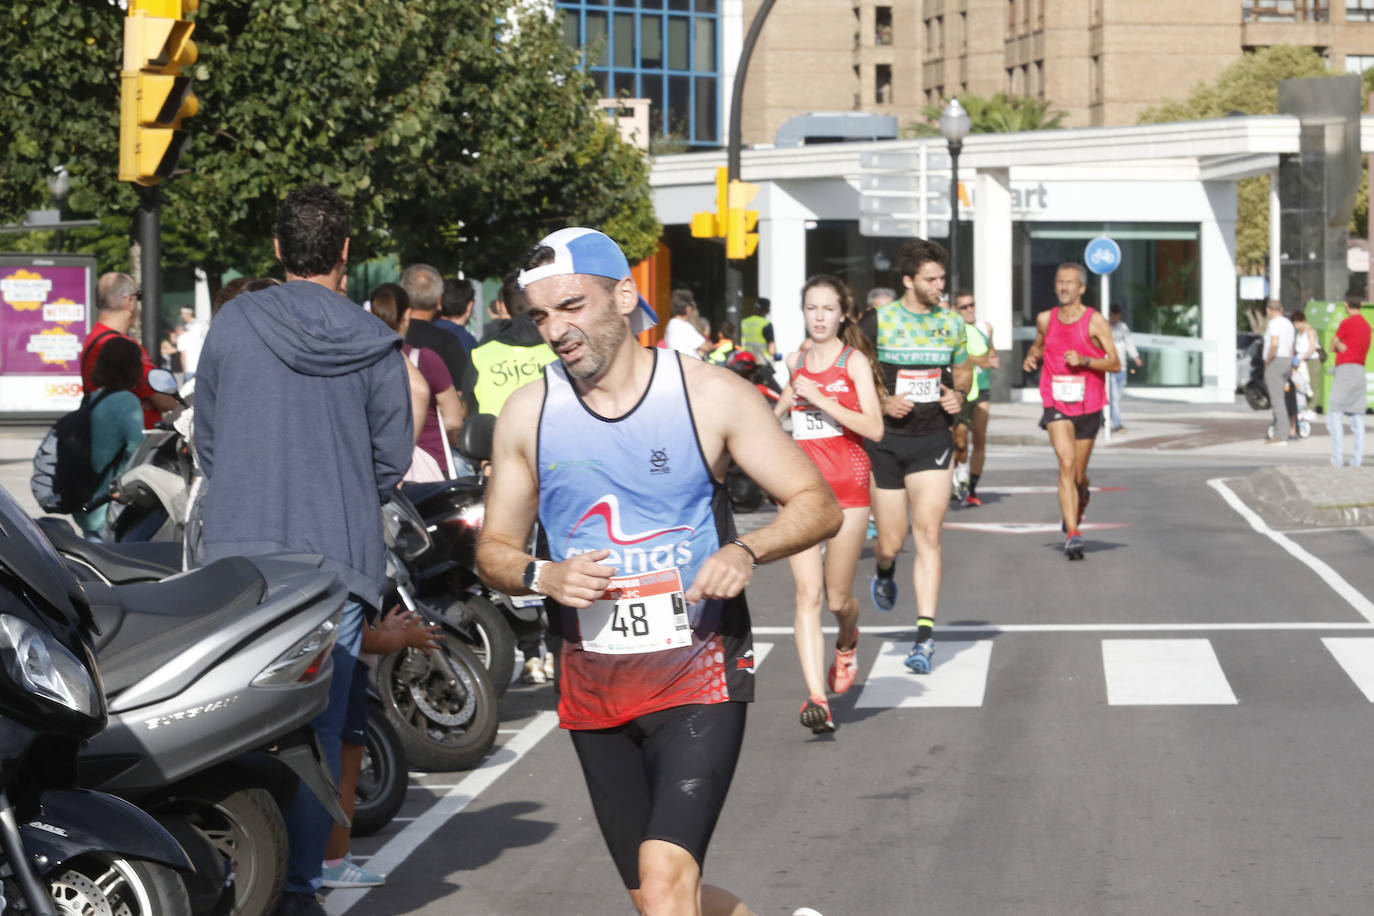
[[457, 133], [995, 114], [1248, 86]]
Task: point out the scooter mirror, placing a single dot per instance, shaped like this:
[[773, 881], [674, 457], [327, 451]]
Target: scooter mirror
[[162, 381], [475, 440]]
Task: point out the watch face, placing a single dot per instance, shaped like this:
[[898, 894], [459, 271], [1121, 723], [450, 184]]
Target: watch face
[[529, 574]]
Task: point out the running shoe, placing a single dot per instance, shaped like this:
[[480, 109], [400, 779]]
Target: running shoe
[[919, 659], [844, 668], [973, 500], [534, 672], [815, 715], [883, 591], [872, 531], [548, 667], [1073, 547], [349, 874]]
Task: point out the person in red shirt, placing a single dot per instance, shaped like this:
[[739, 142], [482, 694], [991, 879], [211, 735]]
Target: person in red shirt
[[1348, 390], [117, 299]]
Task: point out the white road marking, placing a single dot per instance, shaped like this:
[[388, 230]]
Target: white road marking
[[958, 677], [1029, 527], [1362, 605], [1164, 672], [402, 845], [1356, 656], [1360, 528], [1020, 491], [992, 629], [761, 650]]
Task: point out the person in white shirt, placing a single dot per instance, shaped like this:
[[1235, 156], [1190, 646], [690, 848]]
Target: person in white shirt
[[1116, 381], [681, 334], [1278, 363]]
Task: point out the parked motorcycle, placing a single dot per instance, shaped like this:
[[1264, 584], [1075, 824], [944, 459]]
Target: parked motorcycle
[[63, 850]]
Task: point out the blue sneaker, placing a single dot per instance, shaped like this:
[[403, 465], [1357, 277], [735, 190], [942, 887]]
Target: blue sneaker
[[883, 591], [1073, 547], [349, 874], [872, 531], [919, 659]]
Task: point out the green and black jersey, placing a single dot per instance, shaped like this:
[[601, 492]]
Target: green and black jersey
[[909, 343]]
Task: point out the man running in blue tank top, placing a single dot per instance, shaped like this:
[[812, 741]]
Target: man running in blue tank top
[[620, 452]]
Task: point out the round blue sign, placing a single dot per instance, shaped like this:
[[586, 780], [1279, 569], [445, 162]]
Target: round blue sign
[[1102, 255]]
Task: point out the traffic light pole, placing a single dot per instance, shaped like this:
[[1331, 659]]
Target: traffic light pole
[[734, 275], [150, 266]]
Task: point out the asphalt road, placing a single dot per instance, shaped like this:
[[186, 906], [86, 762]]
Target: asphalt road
[[1177, 724]]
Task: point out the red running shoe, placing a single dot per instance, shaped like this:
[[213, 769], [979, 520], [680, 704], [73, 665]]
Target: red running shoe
[[974, 500], [844, 669]]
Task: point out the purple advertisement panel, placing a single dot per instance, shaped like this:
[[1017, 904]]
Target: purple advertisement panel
[[45, 308]]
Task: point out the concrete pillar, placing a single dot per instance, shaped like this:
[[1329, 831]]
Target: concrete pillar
[[992, 260], [1275, 236], [1217, 254], [782, 263]]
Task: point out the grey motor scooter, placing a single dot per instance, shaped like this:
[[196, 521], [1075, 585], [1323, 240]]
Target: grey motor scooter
[[211, 678]]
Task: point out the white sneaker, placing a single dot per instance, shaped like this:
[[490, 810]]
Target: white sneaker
[[534, 672], [548, 666]]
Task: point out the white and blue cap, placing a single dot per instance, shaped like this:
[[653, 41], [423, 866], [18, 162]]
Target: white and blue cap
[[586, 251]]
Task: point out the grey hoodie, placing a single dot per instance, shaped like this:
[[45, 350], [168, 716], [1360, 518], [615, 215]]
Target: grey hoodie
[[303, 428]]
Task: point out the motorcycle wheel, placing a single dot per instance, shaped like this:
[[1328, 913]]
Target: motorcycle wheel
[[246, 827], [97, 884], [382, 783], [494, 642], [1256, 397], [446, 718]]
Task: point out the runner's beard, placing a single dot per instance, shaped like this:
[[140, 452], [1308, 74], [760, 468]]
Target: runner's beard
[[599, 343]]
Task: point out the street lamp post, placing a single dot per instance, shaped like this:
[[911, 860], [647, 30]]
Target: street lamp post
[[59, 184], [954, 126]]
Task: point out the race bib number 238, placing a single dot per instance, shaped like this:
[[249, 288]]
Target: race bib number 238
[[641, 613]]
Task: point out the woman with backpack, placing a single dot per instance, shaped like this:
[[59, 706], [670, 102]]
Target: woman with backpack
[[116, 420]]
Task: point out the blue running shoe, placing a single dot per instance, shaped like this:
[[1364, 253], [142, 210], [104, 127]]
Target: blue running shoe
[[872, 531], [1073, 547], [919, 659], [883, 591]]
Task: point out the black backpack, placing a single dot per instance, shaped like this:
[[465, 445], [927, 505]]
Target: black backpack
[[64, 480]]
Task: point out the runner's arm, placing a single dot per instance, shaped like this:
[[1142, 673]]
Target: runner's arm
[[512, 505], [1102, 331], [808, 512], [784, 404]]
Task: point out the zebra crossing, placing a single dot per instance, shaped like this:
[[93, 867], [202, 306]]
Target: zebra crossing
[[1183, 671]]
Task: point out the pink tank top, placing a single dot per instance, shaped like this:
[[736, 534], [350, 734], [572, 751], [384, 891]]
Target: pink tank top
[[1072, 390]]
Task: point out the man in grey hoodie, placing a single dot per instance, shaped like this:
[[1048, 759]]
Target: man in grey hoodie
[[303, 428]]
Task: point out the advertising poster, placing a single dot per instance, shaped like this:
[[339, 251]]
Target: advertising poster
[[45, 312]]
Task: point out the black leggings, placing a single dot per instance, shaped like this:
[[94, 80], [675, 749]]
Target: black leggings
[[663, 776]]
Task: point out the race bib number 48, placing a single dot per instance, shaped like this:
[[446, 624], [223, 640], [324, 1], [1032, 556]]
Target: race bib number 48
[[920, 386], [643, 613]]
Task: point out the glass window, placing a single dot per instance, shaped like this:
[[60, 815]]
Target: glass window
[[680, 106], [1358, 63], [601, 79], [705, 109], [651, 42], [706, 6], [595, 41], [652, 88], [679, 40], [624, 40], [683, 5], [571, 28], [704, 45], [624, 84]]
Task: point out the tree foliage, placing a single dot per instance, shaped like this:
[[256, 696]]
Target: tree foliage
[[459, 131], [1248, 86], [996, 114]]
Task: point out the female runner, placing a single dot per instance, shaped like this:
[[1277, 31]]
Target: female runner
[[834, 400]]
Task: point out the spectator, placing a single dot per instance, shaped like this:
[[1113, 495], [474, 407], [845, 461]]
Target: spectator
[[424, 286], [724, 344], [116, 420], [392, 306], [117, 301], [1116, 381], [1349, 395], [756, 333], [456, 306], [682, 334], [1278, 357], [190, 338], [877, 297], [1305, 350], [303, 428], [511, 354]]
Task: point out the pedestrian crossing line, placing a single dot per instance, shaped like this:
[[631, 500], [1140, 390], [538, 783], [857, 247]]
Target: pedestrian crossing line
[[1024, 491], [958, 677], [1164, 672], [1029, 527], [761, 650], [1356, 656], [993, 629]]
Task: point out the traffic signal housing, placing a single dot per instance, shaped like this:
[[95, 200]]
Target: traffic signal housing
[[709, 225], [741, 241], [154, 94]]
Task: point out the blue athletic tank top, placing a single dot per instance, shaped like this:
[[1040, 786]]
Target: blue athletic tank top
[[638, 486]]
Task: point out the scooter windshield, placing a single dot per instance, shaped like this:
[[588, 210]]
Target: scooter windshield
[[28, 555]]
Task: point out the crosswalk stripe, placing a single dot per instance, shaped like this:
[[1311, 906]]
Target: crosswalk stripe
[[761, 650], [1164, 672], [958, 677], [1356, 656]]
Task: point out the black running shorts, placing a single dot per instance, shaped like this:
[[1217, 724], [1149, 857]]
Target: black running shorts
[[1085, 426], [663, 776], [897, 456]]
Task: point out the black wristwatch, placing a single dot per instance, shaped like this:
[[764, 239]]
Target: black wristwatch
[[531, 579]]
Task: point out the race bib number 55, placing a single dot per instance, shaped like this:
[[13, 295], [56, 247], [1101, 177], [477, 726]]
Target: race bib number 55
[[643, 613]]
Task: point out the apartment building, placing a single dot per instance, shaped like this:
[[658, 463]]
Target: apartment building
[[1101, 61]]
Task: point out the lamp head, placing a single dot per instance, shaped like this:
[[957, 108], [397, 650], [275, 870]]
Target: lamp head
[[955, 122]]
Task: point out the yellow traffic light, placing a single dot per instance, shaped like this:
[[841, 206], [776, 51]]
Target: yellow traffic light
[[741, 241], [704, 225], [154, 95], [708, 225]]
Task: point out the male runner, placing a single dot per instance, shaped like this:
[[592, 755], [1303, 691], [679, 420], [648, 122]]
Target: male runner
[[1076, 343], [621, 452], [918, 342], [974, 416]]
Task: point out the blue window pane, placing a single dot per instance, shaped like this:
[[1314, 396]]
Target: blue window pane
[[706, 109], [571, 32], [595, 41], [680, 105], [678, 42], [651, 43], [625, 40], [652, 89], [704, 46]]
